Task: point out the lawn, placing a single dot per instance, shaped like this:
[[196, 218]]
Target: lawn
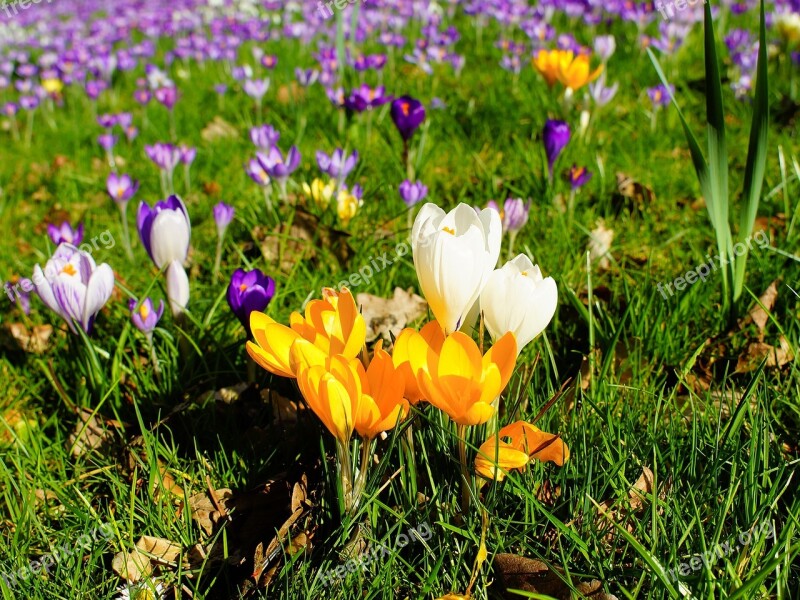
[[442, 420]]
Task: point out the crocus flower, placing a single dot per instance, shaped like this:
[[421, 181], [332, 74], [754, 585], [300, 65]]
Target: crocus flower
[[337, 165], [256, 88], [366, 98], [518, 299], [187, 154], [167, 96], [407, 114], [600, 93], [526, 442], [578, 177], [515, 214], [249, 291], [107, 141], [556, 136], [348, 202], [411, 193], [142, 96], [410, 355], [256, 172], [107, 121], [264, 137], [463, 384], [223, 215], [73, 286], [121, 188], [165, 231], [269, 61], [454, 254], [604, 47], [65, 234], [146, 316], [333, 325], [320, 192], [660, 95], [562, 65], [306, 77], [165, 156], [275, 165]]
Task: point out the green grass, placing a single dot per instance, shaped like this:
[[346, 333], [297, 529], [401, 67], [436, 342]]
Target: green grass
[[724, 459]]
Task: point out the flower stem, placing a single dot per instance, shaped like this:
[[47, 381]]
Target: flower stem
[[126, 236], [462, 455], [345, 475], [218, 258]]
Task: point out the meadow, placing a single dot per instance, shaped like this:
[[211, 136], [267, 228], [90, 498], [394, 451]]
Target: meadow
[[399, 299]]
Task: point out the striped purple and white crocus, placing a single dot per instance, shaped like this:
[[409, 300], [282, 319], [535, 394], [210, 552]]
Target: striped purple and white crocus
[[73, 286], [165, 231]]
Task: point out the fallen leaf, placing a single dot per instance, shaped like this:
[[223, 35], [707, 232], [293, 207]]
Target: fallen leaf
[[204, 511], [599, 244], [90, 433], [759, 314], [632, 195], [388, 316], [536, 577], [219, 128], [131, 566], [33, 341], [778, 356]]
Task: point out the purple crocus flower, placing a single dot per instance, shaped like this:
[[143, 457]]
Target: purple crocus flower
[[165, 156], [29, 102], [269, 61], [556, 136], [249, 291], [167, 97], [578, 177], [65, 234], [515, 214], [73, 286], [660, 95], [306, 77], [121, 188], [256, 88], [146, 316], [107, 141], [256, 172], [407, 114], [275, 165], [220, 89], [187, 154], [107, 121], [264, 137], [10, 109], [337, 165], [366, 98], [604, 47], [142, 96], [411, 193], [600, 93], [165, 230], [223, 215]]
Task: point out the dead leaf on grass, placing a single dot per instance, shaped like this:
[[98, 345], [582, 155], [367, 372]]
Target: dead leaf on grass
[[599, 245], [777, 356], [536, 577], [219, 128], [91, 433], [388, 316], [33, 341]]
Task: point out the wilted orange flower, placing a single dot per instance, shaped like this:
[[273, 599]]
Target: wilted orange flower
[[333, 325], [525, 442]]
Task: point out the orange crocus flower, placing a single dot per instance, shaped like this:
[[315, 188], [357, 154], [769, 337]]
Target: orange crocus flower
[[525, 442]]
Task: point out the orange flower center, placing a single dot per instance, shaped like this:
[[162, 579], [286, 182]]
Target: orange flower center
[[69, 269]]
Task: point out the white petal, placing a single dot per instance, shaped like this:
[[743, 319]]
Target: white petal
[[177, 287], [169, 238], [98, 291]]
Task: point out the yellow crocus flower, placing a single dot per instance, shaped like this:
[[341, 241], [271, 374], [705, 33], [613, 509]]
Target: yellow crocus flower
[[526, 442]]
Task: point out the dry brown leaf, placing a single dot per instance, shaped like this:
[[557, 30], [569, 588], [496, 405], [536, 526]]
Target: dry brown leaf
[[90, 433], [599, 245], [219, 128], [205, 513], [34, 341], [385, 316], [632, 195], [167, 482], [536, 577], [777, 356], [131, 566], [284, 411], [158, 549], [766, 302], [642, 489]]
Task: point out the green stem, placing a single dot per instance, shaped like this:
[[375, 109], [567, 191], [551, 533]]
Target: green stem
[[465, 476]]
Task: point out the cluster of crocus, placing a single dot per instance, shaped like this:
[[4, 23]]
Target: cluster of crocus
[[65, 233], [321, 350], [166, 157], [270, 165]]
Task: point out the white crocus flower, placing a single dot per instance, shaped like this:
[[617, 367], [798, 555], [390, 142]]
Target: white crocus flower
[[454, 254], [517, 298]]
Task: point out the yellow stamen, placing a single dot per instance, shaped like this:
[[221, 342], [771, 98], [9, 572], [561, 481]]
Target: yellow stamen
[[449, 230], [69, 269]]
